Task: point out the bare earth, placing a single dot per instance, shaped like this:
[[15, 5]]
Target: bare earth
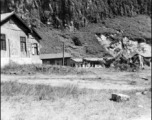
[[85, 108]]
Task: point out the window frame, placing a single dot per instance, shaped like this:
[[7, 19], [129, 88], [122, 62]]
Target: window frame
[[3, 42], [23, 41], [35, 47]]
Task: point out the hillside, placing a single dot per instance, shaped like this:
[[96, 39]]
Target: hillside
[[135, 28], [76, 21], [80, 12]]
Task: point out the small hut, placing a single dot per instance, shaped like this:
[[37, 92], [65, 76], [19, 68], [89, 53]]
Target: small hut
[[93, 62], [76, 62]]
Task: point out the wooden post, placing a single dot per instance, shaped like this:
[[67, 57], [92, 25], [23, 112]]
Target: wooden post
[[9, 51], [63, 54]]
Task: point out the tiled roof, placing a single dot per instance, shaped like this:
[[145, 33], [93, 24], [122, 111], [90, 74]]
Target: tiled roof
[[54, 56]]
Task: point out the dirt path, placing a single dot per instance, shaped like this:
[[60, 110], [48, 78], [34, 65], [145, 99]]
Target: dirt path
[[89, 82]]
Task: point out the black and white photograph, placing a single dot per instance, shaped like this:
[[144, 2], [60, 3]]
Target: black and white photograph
[[75, 59]]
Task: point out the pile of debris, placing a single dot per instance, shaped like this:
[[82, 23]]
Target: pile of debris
[[125, 54]]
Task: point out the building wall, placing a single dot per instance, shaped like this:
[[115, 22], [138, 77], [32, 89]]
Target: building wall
[[75, 64], [13, 50], [12, 34], [68, 62], [4, 61], [57, 61]]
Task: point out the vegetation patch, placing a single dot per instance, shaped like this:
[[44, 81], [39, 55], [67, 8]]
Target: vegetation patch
[[17, 69], [126, 67], [62, 12], [91, 50], [42, 92]]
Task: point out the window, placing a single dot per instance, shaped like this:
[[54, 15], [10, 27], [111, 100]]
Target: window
[[35, 49], [3, 42], [65, 62], [23, 44]]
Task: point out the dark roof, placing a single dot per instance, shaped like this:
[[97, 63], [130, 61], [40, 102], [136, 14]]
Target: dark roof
[[6, 16], [54, 56], [36, 33]]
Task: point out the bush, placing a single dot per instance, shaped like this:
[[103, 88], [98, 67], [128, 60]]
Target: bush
[[91, 50], [126, 67], [17, 69], [14, 68]]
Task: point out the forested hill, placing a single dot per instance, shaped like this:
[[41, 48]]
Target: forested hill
[[81, 12]]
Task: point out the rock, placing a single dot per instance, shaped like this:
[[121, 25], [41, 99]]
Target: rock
[[138, 93], [144, 78], [140, 106], [13, 73], [144, 92], [133, 83], [120, 97]]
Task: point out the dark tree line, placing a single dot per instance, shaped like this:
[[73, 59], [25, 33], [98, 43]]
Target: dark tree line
[[62, 12]]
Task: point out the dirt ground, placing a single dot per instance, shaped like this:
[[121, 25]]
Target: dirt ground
[[99, 79], [86, 107]]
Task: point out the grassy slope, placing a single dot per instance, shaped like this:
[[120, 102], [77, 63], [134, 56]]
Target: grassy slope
[[133, 27]]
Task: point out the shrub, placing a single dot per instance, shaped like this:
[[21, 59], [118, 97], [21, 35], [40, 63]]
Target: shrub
[[126, 67], [91, 50], [17, 69]]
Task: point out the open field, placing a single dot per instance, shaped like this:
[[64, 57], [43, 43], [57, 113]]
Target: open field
[[76, 97]]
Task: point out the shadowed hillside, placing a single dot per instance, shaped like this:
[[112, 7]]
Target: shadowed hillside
[[80, 12]]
